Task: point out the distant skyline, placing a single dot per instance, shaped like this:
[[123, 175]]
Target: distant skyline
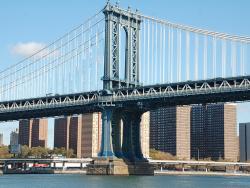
[[27, 26]]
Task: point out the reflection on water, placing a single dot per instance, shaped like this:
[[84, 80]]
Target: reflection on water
[[81, 181]]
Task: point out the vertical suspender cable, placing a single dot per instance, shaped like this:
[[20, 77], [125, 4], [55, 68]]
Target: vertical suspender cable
[[148, 39], [169, 53], [156, 54], [164, 54], [233, 58], [152, 63], [89, 59], [214, 57], [242, 59], [143, 72], [172, 55], [187, 55], [223, 55], [179, 55], [196, 55], [161, 54], [205, 58], [96, 61]]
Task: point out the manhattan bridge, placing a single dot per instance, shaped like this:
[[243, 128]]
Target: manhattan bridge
[[123, 63]]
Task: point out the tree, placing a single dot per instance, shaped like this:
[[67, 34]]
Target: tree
[[25, 150], [62, 151], [38, 152], [4, 152], [159, 155]]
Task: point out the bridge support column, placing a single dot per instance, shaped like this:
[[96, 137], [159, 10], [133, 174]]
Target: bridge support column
[[116, 135], [116, 158], [106, 144], [131, 147]]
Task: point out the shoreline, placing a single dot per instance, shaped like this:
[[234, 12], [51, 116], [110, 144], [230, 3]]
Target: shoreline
[[156, 173], [199, 173]]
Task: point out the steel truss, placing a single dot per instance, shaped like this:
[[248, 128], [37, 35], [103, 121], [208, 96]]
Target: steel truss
[[148, 94]]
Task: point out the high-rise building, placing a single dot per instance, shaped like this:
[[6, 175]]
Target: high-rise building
[[14, 137], [91, 134], [39, 133], [144, 134], [61, 132], [244, 139], [170, 130], [75, 133], [25, 128], [81, 133], [1, 139], [33, 133], [198, 135], [214, 132]]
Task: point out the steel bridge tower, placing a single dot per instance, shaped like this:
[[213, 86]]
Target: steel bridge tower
[[116, 20], [119, 145]]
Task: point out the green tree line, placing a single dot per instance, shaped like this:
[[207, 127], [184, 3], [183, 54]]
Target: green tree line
[[36, 152]]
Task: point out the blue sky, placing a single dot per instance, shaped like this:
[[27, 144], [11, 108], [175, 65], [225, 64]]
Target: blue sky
[[42, 21]]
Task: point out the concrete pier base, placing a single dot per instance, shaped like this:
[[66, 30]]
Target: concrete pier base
[[119, 167]]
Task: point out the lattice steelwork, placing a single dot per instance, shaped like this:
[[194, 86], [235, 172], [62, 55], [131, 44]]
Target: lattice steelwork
[[73, 63], [117, 20], [115, 51]]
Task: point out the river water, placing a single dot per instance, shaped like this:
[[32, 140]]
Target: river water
[[82, 181]]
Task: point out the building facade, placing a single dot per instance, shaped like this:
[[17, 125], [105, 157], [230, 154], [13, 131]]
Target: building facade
[[170, 131], [214, 132], [198, 131], [33, 133], [1, 139], [14, 137], [244, 139], [144, 134], [61, 132], [81, 133], [75, 135], [91, 134]]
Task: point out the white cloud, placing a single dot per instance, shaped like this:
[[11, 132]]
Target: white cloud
[[27, 49]]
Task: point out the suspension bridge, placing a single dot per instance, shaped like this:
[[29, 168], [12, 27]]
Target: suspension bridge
[[124, 63]]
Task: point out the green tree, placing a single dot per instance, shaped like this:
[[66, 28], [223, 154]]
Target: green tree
[[38, 152], [62, 151], [25, 150], [159, 155], [4, 152]]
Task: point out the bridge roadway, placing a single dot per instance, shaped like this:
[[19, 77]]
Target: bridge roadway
[[216, 90], [49, 160], [88, 160], [199, 163]]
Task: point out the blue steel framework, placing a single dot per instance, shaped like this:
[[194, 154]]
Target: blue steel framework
[[128, 104], [126, 99]]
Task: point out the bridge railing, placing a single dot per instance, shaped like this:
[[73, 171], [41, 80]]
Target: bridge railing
[[182, 89]]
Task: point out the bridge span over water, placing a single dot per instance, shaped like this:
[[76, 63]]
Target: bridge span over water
[[124, 63]]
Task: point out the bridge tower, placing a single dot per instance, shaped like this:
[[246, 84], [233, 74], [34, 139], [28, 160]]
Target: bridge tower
[[117, 19], [118, 156]]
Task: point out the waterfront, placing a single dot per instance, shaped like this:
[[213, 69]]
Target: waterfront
[[82, 181]]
